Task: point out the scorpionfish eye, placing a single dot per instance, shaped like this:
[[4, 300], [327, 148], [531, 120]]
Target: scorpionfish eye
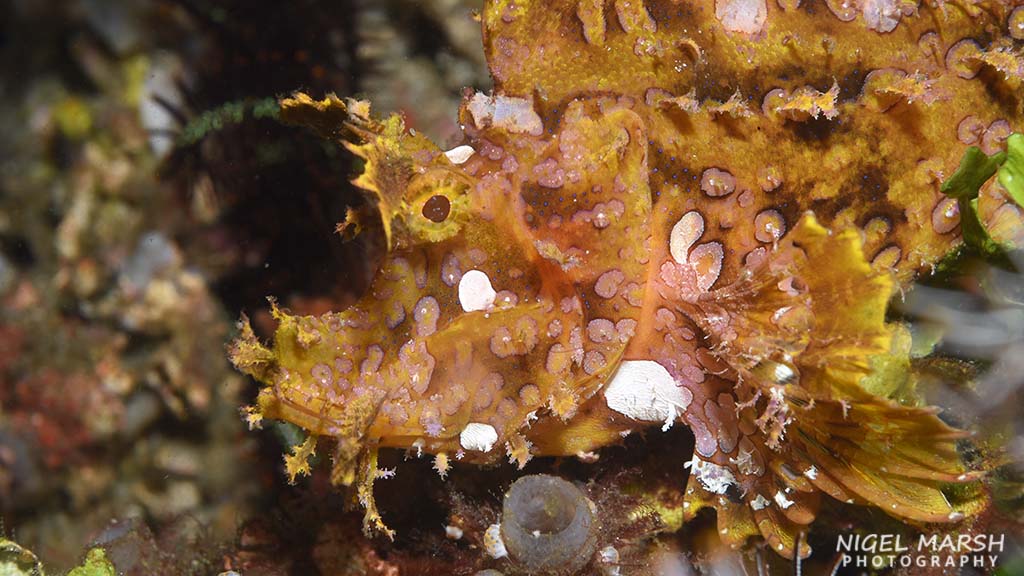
[[437, 208]]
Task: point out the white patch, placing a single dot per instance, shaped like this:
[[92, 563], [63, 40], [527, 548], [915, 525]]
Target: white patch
[[782, 374], [514, 115], [608, 557], [716, 479], [475, 291], [453, 532], [782, 501], [460, 154], [759, 503], [745, 463], [746, 16], [811, 473], [644, 390], [493, 544], [479, 437], [882, 15], [687, 230]]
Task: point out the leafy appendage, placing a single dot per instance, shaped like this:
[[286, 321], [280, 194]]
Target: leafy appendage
[[1011, 173], [832, 424]]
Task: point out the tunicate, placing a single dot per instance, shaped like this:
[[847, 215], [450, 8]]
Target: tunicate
[[548, 525]]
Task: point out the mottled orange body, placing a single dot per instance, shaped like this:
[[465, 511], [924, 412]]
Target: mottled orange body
[[667, 212]]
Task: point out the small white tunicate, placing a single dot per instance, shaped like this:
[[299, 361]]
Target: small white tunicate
[[475, 291], [460, 154], [644, 390], [686, 231], [478, 437], [783, 373]]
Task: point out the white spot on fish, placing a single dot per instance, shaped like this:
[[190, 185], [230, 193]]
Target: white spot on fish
[[460, 154], [687, 230], [514, 115], [782, 501], [644, 390], [479, 437], [715, 479], [475, 291]]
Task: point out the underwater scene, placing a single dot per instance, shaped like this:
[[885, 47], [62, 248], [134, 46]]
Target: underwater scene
[[512, 287]]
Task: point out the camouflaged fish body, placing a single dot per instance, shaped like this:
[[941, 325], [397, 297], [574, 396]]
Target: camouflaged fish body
[[666, 212]]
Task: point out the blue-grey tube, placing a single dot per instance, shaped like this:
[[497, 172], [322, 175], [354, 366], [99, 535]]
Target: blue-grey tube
[[548, 525]]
